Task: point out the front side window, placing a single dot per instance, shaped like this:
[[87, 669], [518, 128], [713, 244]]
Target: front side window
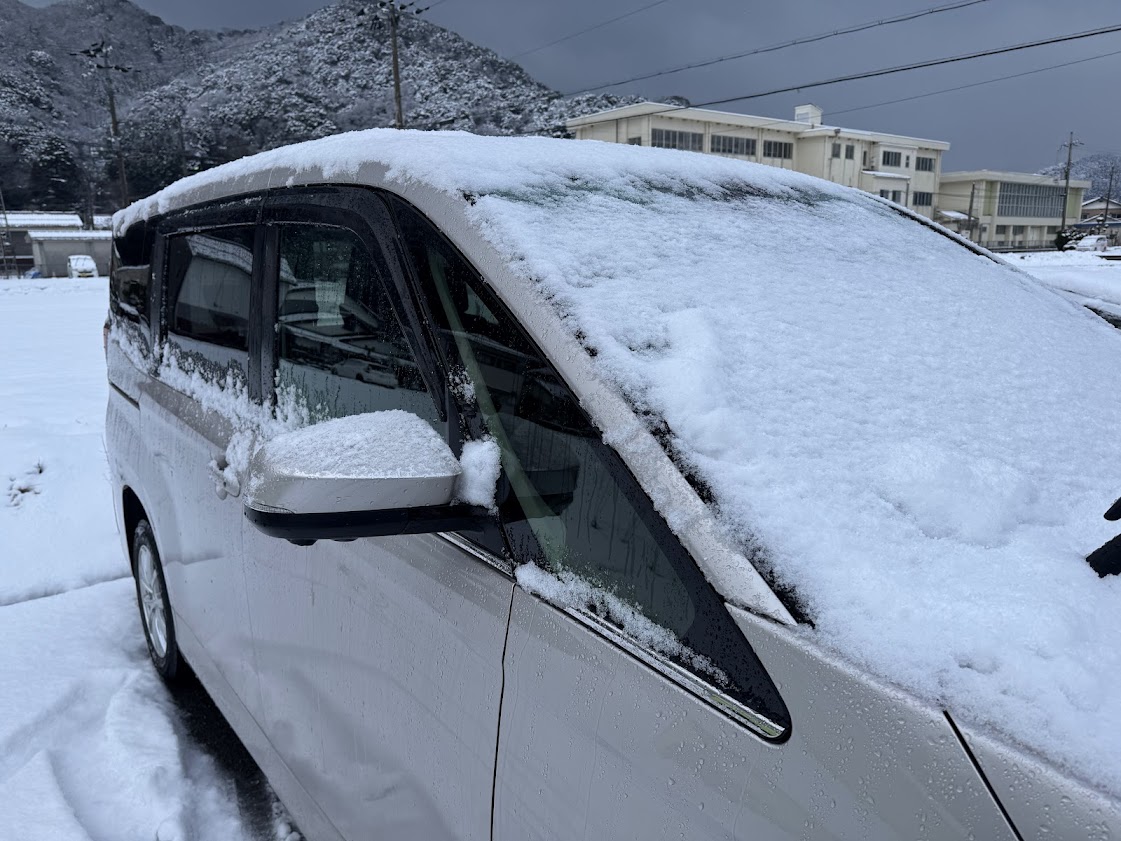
[[211, 274], [339, 342], [572, 506]]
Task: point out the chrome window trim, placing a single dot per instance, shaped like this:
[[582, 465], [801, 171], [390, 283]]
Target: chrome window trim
[[477, 552], [695, 686]]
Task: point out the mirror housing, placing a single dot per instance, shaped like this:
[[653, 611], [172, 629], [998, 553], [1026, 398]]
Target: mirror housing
[[371, 475]]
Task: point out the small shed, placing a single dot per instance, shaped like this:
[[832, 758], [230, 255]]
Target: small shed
[[51, 249], [15, 226]]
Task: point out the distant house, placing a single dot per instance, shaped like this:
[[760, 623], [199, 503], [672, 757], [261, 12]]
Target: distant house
[[15, 226], [1094, 208], [1103, 216]]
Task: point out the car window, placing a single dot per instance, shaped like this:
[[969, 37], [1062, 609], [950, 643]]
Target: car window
[[339, 342], [212, 274], [572, 505], [130, 273]]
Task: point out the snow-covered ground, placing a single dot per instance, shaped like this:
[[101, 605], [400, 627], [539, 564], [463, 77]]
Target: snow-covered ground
[[1093, 279], [92, 746]]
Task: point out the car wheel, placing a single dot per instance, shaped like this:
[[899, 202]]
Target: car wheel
[[151, 597]]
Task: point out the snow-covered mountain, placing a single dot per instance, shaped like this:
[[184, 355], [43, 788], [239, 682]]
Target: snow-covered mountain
[[192, 99], [1094, 168]]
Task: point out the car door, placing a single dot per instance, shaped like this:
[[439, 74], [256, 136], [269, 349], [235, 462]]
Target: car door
[[208, 287], [380, 660], [634, 706]]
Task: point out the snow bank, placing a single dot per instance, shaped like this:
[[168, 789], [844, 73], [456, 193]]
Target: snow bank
[[1080, 272], [922, 440], [90, 745], [52, 408]]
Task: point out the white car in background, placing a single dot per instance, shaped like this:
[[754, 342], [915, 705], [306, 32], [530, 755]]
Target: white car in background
[[1092, 243], [81, 265]]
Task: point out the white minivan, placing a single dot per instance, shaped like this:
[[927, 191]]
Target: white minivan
[[528, 488]]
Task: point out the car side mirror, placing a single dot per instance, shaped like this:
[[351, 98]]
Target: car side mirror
[[371, 475]]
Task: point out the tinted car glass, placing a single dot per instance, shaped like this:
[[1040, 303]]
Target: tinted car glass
[[572, 504], [130, 274], [339, 342], [212, 274]]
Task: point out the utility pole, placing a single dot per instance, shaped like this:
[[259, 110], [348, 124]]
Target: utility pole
[[1105, 213], [7, 268], [969, 213], [1070, 144], [98, 54], [1108, 193], [390, 12]]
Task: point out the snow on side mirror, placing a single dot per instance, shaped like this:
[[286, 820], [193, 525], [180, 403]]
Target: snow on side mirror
[[370, 475]]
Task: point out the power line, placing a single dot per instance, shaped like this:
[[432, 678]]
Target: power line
[[811, 39], [974, 84], [955, 89], [938, 62], [597, 26]]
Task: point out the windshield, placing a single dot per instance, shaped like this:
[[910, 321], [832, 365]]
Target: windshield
[[914, 438]]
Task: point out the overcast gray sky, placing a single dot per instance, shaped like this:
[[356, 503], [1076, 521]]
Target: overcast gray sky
[[1015, 124]]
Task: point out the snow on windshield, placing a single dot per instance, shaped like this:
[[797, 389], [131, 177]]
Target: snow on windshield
[[922, 441]]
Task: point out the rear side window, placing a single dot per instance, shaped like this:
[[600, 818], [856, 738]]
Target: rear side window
[[130, 274], [212, 274]]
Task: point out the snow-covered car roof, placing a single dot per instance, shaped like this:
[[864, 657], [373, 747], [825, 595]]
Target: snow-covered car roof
[[917, 440]]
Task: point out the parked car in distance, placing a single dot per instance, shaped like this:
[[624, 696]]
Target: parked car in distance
[[81, 265], [646, 527], [1092, 243]]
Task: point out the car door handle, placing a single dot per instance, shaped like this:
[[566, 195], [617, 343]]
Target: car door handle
[[225, 483]]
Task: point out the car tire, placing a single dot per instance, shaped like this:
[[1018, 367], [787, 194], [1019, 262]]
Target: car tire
[[151, 599]]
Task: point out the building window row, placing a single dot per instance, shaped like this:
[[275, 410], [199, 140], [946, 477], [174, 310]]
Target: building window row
[[893, 195], [892, 158], [924, 164], [920, 199], [778, 149], [669, 139], [723, 144], [1031, 200]]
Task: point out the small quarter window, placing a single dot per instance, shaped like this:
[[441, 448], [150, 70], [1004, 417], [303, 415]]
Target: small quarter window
[[130, 274], [213, 273], [571, 505]]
